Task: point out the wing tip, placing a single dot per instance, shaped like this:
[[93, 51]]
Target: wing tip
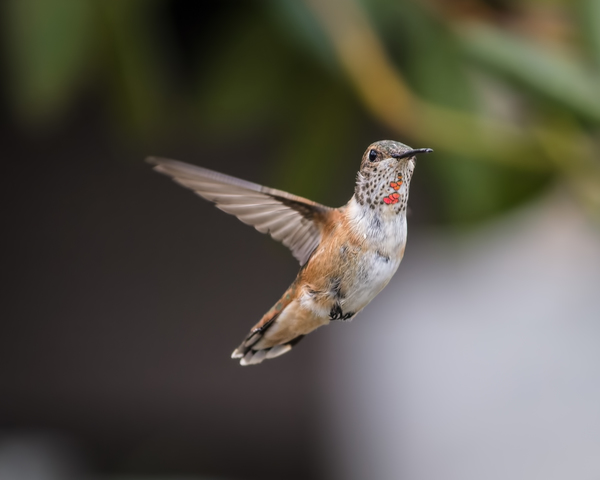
[[158, 161], [154, 160]]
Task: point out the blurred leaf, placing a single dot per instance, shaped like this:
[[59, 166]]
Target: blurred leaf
[[245, 77], [589, 22], [384, 93], [430, 57], [135, 66], [424, 50], [320, 158], [48, 47], [469, 191], [295, 20], [540, 70], [258, 74], [575, 155]]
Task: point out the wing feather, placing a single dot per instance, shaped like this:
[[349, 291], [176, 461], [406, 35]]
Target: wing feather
[[292, 220]]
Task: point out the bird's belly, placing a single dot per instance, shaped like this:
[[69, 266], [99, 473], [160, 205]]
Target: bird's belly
[[372, 275]]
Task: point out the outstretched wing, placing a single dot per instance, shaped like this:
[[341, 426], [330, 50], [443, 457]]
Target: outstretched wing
[[294, 221]]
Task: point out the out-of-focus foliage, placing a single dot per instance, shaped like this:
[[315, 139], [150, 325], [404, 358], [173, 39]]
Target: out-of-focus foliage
[[48, 43], [506, 92]]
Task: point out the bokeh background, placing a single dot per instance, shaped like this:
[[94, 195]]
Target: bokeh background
[[123, 294]]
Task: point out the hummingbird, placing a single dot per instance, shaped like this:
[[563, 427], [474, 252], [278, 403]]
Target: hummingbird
[[347, 254]]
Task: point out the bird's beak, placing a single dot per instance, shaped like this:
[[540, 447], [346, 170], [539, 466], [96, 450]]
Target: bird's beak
[[412, 153]]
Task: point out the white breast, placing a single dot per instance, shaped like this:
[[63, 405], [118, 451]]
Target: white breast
[[384, 234]]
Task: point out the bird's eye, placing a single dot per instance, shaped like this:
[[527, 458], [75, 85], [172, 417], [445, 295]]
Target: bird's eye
[[372, 155]]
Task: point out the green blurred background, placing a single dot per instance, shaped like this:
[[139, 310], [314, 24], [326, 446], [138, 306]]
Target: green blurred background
[[505, 91], [286, 93]]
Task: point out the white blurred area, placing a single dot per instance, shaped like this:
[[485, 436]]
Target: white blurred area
[[480, 360]]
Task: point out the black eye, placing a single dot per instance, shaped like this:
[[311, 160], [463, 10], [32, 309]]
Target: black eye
[[372, 155]]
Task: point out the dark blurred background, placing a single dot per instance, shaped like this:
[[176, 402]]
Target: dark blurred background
[[124, 294]]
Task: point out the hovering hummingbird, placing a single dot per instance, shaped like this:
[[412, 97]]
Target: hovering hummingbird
[[347, 254]]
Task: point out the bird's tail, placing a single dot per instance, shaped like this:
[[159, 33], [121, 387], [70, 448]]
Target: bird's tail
[[252, 351], [251, 356]]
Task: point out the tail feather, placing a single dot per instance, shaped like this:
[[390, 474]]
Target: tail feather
[[250, 356], [249, 351]]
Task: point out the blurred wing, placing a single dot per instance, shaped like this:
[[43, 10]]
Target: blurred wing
[[292, 220]]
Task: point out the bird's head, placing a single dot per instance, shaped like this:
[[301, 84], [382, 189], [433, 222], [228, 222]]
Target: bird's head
[[385, 172]]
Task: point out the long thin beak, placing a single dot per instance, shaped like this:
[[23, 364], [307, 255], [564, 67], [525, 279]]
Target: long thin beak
[[412, 153]]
